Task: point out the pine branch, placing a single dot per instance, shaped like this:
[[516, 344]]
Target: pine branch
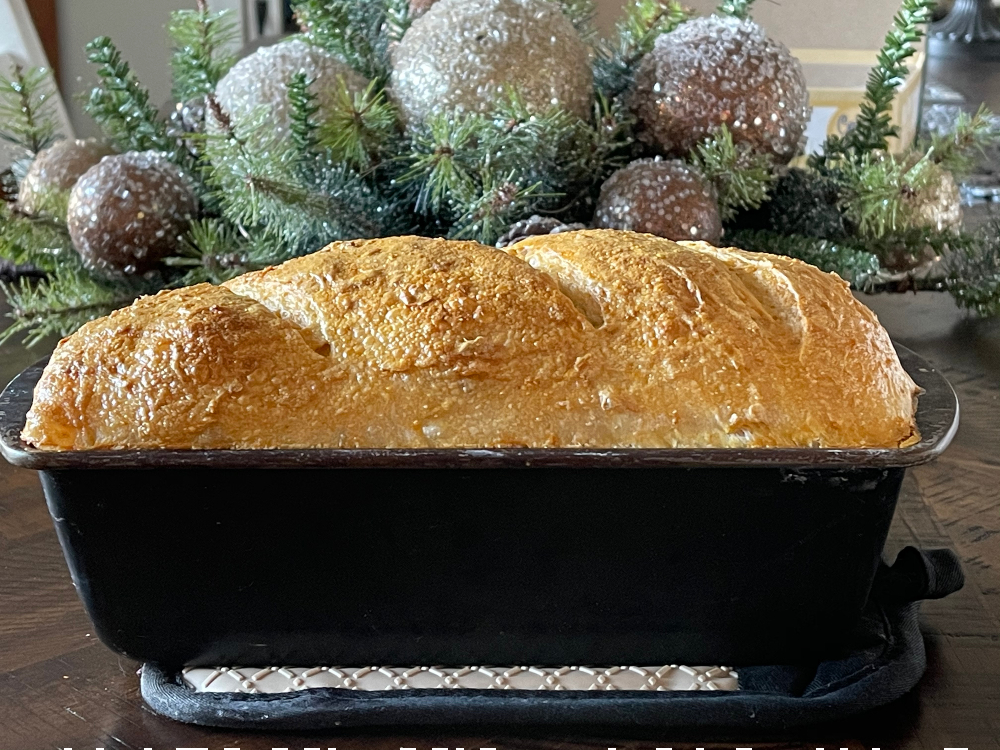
[[65, 301], [613, 135], [67, 296], [852, 264], [644, 21], [39, 241], [359, 32], [212, 250], [266, 187], [587, 158], [581, 14], [874, 126], [882, 193], [237, 173], [500, 202], [563, 158], [736, 8], [358, 128], [120, 105], [800, 201], [331, 25], [634, 36], [959, 150], [397, 21], [441, 164], [541, 148], [741, 177], [303, 109], [27, 110], [974, 273], [215, 251], [202, 52]]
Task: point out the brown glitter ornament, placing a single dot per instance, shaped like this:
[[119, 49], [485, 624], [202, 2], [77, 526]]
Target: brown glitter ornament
[[462, 55], [721, 70], [45, 188], [128, 212], [664, 197]]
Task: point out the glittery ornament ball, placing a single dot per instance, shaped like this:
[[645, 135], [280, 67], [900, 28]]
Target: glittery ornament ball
[[461, 56], [259, 82], [53, 173], [721, 70], [939, 205], [419, 7], [664, 197], [129, 211]]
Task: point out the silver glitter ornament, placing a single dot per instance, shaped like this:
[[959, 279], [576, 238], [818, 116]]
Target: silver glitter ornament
[[261, 80], [721, 70], [129, 211], [462, 55], [46, 186], [664, 197]]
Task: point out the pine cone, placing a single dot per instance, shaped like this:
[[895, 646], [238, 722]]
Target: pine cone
[[8, 186], [535, 226]]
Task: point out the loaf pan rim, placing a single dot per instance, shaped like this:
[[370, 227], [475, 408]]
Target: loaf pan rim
[[937, 420]]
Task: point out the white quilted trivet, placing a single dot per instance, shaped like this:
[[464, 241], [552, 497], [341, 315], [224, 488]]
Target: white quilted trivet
[[286, 679]]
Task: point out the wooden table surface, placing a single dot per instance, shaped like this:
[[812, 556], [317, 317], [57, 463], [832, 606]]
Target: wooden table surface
[[61, 688]]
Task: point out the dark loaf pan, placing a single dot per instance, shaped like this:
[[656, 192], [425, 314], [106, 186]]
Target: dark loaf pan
[[452, 557]]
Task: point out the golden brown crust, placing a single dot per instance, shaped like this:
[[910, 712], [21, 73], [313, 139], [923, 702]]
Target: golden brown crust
[[194, 367], [617, 339], [728, 348]]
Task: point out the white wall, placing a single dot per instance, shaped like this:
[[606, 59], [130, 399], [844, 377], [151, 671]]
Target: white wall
[[138, 27]]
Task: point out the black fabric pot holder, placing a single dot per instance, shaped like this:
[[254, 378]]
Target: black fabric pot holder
[[885, 660]]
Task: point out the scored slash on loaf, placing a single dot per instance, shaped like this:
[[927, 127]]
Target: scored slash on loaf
[[593, 338]]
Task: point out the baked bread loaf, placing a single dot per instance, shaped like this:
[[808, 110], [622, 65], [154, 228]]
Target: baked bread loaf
[[592, 338]]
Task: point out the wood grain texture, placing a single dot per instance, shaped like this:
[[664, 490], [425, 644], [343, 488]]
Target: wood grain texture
[[60, 688]]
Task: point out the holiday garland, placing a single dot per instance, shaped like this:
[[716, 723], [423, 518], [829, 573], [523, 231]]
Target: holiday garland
[[354, 128]]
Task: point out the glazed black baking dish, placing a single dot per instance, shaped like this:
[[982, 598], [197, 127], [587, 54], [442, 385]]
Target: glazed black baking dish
[[514, 556]]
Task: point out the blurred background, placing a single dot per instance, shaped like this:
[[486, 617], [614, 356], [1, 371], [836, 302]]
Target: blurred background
[[836, 42]]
